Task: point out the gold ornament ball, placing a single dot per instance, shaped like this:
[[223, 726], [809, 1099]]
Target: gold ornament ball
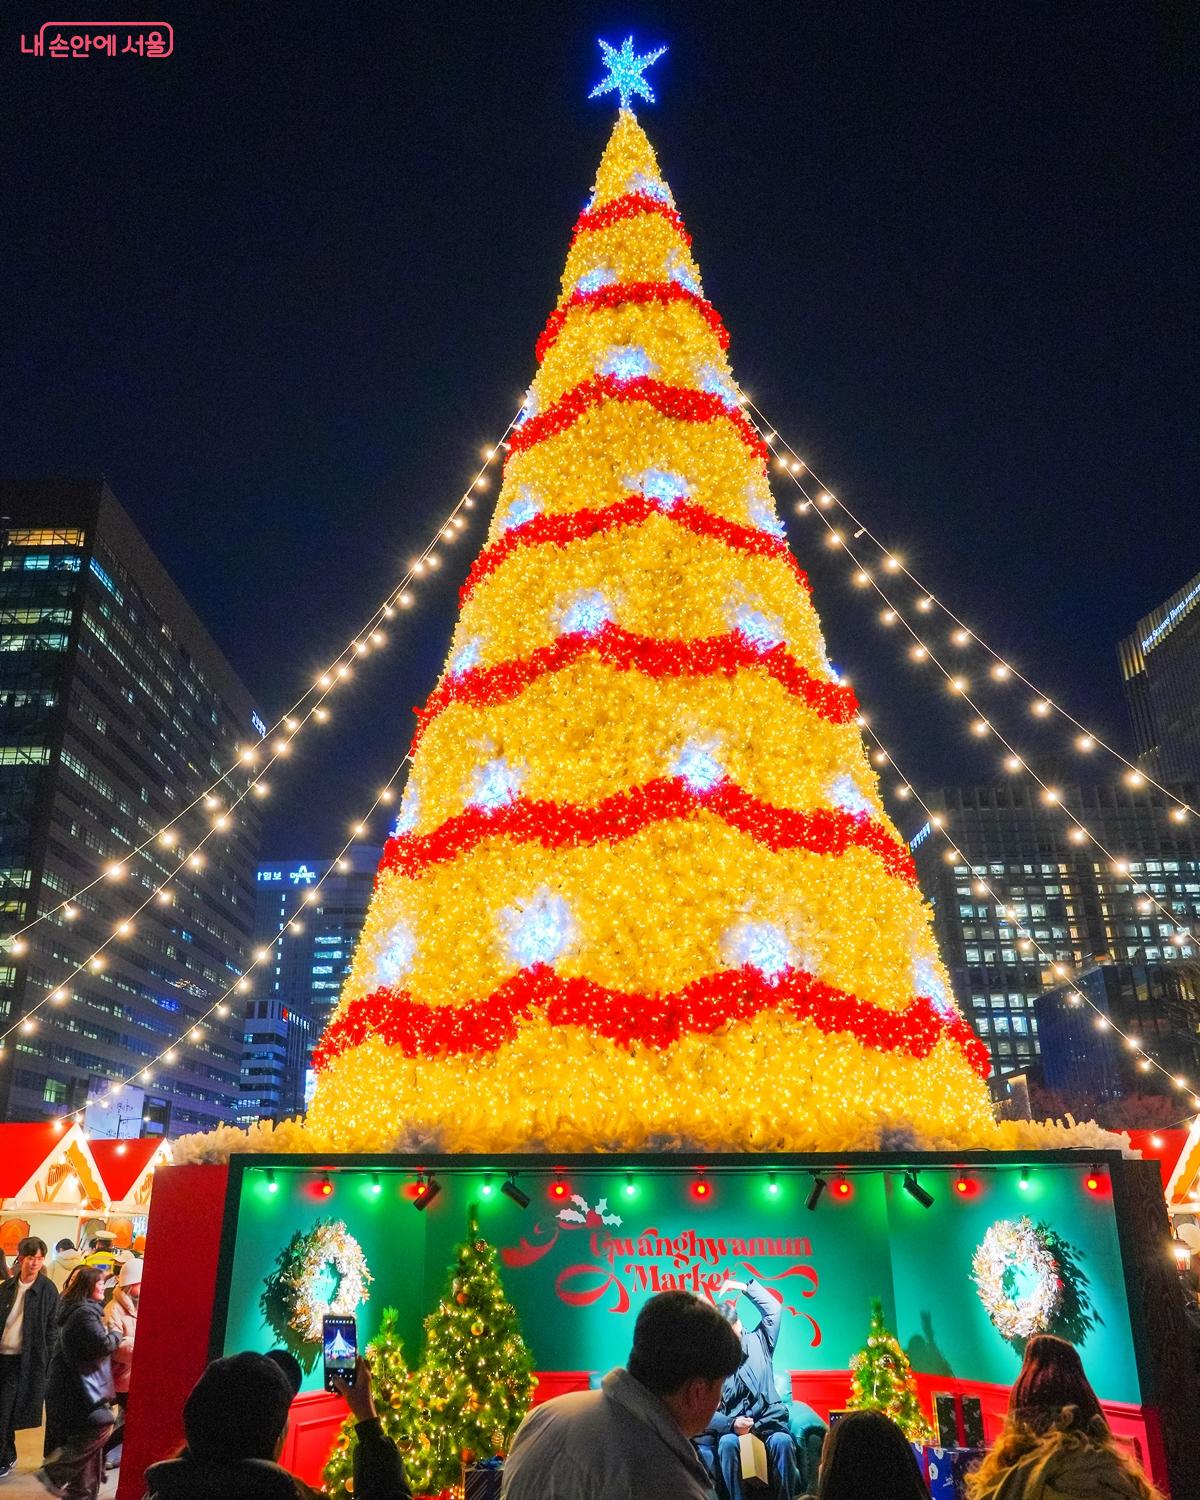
[[476, 1329]]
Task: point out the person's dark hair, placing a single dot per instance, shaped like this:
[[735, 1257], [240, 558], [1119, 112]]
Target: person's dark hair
[[64, 1245], [81, 1283], [865, 1453], [290, 1366], [237, 1409], [30, 1245], [678, 1338], [1051, 1379]]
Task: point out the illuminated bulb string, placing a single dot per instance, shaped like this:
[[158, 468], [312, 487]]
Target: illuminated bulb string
[[983, 887], [338, 670], [327, 681], [220, 1006], [1088, 738], [893, 614]]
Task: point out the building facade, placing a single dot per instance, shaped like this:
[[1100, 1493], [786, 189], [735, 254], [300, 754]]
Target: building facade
[[311, 936], [1158, 1003], [1079, 908], [1160, 666], [116, 710]]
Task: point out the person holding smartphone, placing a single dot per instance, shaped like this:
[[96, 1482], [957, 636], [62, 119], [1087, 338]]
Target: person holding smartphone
[[235, 1421]]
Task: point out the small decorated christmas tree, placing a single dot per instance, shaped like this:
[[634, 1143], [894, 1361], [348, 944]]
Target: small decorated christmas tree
[[475, 1383], [391, 1381], [884, 1381]]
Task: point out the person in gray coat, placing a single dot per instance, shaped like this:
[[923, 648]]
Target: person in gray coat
[[28, 1305], [632, 1437]]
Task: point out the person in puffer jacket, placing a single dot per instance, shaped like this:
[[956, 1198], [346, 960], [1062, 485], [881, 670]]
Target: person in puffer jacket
[[121, 1316], [1055, 1444], [235, 1421]]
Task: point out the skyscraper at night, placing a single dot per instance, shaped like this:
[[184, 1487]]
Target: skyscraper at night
[[311, 934], [116, 710], [1077, 904], [1160, 665]]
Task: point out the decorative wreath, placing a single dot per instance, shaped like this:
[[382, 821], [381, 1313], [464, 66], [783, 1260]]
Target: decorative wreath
[[297, 1296], [1019, 1278]]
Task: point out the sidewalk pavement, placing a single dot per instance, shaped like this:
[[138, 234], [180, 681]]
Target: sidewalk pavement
[[21, 1485]]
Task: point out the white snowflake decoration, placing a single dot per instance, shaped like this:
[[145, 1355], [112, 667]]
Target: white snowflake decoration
[[467, 656], [697, 764], [927, 981], [521, 508], [762, 945], [663, 486], [844, 793], [587, 613], [538, 930], [495, 784], [763, 514], [394, 957], [761, 631], [627, 362], [717, 383], [681, 273], [593, 280]]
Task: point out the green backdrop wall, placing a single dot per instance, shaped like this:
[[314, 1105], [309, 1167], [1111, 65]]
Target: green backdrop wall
[[578, 1285]]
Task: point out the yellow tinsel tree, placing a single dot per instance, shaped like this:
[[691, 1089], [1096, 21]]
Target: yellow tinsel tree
[[642, 886]]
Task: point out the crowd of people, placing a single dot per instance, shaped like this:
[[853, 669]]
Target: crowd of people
[[665, 1427], [67, 1330]]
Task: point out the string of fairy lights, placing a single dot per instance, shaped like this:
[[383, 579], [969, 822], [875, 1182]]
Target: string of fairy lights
[[921, 650], [309, 707], [1042, 704], [1025, 933], [144, 1075]]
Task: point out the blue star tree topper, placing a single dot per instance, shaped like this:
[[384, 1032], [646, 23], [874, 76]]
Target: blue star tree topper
[[625, 72]]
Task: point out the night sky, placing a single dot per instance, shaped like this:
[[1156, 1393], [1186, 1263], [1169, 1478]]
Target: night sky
[[281, 286]]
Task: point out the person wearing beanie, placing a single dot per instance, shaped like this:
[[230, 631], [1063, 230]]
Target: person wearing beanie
[[235, 1421], [121, 1316], [1055, 1444]]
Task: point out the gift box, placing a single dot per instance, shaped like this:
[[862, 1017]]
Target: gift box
[[946, 1471], [482, 1481]]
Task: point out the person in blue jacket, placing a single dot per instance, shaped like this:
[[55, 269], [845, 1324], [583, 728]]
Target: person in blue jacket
[[750, 1402]]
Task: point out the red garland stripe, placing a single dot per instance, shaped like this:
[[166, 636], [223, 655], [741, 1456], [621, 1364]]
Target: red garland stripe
[[680, 402], [570, 825], [705, 656], [628, 1017], [629, 206], [573, 526], [619, 294]]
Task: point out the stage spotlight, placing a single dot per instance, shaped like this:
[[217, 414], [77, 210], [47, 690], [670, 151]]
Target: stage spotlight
[[1024, 1182], [427, 1190], [814, 1192], [326, 1187], [376, 1185], [487, 1185], [511, 1190], [272, 1185], [914, 1190], [772, 1184]]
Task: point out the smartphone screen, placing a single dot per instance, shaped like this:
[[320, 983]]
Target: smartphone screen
[[339, 1337]]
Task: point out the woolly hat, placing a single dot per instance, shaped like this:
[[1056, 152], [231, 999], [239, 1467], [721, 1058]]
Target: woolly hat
[[1052, 1377], [237, 1409], [131, 1272]]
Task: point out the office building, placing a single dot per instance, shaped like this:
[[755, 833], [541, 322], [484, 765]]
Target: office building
[[116, 711], [1078, 907], [1160, 665], [296, 991], [1158, 1003]]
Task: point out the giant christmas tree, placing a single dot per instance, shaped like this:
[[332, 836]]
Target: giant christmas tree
[[642, 888]]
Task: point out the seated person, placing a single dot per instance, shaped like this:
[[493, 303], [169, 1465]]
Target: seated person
[[749, 1402]]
